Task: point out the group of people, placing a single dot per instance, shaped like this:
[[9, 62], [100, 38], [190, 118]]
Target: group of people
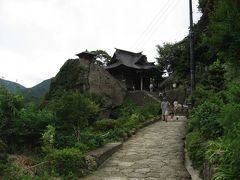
[[167, 108]]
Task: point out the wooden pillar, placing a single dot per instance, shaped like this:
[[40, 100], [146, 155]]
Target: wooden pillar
[[141, 83]]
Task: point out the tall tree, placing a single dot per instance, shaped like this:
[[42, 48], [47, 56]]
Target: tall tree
[[102, 57], [173, 58]]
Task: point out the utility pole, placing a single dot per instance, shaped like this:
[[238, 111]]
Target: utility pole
[[192, 63]]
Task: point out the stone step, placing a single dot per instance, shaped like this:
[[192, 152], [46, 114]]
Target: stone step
[[103, 153]]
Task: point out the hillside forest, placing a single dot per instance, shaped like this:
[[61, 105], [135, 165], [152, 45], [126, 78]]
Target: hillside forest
[[214, 124]]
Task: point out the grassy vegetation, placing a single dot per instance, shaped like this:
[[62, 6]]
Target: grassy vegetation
[[213, 131], [52, 141]]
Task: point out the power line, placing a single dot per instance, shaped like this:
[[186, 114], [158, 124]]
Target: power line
[[161, 20], [151, 24], [153, 27], [143, 38]]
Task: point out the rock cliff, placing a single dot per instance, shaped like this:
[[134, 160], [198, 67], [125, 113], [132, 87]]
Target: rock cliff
[[76, 74]]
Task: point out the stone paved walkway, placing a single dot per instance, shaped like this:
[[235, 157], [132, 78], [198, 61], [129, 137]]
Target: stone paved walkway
[[155, 152]]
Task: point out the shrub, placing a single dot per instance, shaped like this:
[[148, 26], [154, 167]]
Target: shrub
[[196, 148], [48, 139], [106, 124], [204, 118], [82, 147], [224, 154], [74, 112], [64, 139], [91, 139], [134, 120], [127, 109], [116, 134], [233, 92], [10, 104], [217, 151], [201, 95], [230, 120], [150, 110], [30, 125], [67, 161], [3, 157]]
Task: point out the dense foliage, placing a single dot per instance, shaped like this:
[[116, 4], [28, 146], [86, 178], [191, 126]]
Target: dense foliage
[[213, 129], [55, 136], [173, 58], [102, 58]]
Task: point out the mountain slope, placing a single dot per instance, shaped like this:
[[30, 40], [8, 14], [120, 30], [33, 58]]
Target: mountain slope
[[38, 91], [12, 86]]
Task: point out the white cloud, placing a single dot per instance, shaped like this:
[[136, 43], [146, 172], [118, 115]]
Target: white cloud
[[37, 36]]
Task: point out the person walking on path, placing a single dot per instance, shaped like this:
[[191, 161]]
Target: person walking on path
[[151, 87], [165, 106]]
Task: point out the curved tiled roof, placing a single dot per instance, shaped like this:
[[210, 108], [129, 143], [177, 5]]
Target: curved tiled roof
[[129, 59]]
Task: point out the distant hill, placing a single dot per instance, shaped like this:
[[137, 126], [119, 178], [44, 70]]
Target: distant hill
[[12, 86], [37, 92]]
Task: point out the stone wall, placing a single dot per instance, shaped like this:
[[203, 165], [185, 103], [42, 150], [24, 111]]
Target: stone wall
[[76, 74], [101, 82], [179, 94], [141, 98]]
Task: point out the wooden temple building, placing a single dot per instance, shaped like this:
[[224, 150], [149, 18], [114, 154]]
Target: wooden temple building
[[133, 70]]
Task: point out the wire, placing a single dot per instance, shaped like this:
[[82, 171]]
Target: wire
[[164, 18], [150, 25], [153, 26]]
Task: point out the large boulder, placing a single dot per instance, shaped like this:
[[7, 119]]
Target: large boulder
[[77, 74], [101, 82]]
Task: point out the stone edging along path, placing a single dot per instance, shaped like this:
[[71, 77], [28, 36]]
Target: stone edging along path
[[155, 152], [102, 154]]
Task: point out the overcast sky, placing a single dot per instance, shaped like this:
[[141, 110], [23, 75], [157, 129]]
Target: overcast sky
[[38, 36]]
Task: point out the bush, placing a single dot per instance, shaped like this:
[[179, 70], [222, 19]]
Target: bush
[[217, 151], [233, 92], [48, 139], [30, 125], [3, 157], [74, 113], [220, 154], [150, 110], [196, 148], [10, 105], [91, 139], [82, 147], [64, 139], [204, 118], [126, 110], [134, 120], [116, 135], [230, 120], [67, 161], [107, 124]]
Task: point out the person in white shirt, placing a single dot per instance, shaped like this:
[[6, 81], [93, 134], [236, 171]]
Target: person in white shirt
[[165, 105]]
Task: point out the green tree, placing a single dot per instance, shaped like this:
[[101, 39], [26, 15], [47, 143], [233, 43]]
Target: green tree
[[10, 105], [223, 31], [102, 57], [30, 125], [74, 112], [173, 58]]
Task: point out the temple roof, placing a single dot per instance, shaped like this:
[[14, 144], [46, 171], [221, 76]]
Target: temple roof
[[129, 59], [86, 55]]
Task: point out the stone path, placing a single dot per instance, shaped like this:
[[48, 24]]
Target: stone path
[[155, 152]]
